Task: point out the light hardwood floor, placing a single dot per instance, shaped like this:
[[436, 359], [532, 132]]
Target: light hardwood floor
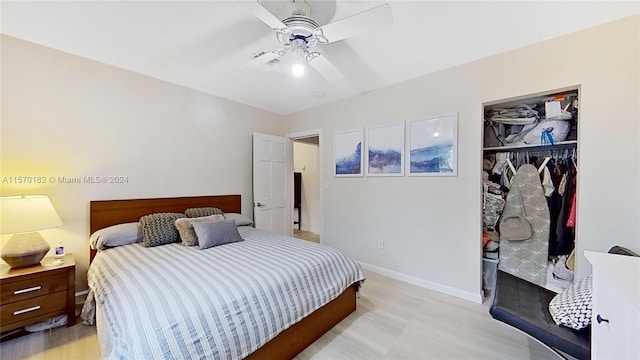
[[394, 320], [306, 235]]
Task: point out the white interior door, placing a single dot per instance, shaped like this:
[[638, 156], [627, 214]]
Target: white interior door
[[272, 183]]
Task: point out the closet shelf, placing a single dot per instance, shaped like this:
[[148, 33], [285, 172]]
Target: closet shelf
[[556, 146]]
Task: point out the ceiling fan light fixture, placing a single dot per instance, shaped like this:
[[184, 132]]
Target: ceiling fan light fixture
[[300, 50]]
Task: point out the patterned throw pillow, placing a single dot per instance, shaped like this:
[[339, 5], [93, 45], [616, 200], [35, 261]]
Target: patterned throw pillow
[[202, 211], [159, 229], [572, 307], [185, 228]]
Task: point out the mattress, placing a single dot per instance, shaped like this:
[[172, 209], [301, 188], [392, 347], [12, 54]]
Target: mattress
[[173, 301]]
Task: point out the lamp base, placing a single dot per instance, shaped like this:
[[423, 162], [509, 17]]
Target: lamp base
[[26, 249]]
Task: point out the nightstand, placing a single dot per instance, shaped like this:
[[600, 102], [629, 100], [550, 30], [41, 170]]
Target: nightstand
[[36, 293]]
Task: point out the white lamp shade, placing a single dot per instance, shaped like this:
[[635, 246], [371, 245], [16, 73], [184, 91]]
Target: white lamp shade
[[19, 214]]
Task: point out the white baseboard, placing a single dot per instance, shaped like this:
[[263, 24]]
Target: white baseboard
[[448, 290]]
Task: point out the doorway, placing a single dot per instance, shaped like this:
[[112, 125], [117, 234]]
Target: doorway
[[306, 162]]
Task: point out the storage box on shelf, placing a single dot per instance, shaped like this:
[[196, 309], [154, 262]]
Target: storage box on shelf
[[489, 268]]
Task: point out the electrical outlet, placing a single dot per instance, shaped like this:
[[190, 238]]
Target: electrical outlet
[[380, 243]]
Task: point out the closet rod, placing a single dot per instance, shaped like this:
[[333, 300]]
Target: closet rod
[[570, 144], [554, 154], [531, 149]]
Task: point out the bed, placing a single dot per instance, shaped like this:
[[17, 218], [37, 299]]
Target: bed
[[266, 297]]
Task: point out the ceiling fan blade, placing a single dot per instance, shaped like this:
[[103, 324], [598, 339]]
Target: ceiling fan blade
[[359, 23], [265, 15], [261, 60], [325, 68]]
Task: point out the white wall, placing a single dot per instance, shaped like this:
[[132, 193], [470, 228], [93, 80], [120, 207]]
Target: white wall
[[306, 161], [431, 226], [63, 115]]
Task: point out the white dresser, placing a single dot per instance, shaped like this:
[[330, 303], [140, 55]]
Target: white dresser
[[615, 328]]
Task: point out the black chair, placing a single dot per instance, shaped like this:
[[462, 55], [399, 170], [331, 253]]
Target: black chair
[[525, 306]]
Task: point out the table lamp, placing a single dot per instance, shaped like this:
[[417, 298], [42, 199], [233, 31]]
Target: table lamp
[[24, 216]]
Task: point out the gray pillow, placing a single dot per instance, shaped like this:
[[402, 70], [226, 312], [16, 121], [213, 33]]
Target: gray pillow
[[240, 219], [216, 233], [185, 228], [202, 211], [159, 229], [116, 235]]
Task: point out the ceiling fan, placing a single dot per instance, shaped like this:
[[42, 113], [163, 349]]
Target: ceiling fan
[[300, 34]]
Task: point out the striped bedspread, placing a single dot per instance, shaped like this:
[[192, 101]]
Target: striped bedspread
[[177, 302]]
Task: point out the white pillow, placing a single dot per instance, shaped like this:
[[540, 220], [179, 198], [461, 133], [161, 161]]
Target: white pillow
[[185, 228], [240, 219], [572, 307], [116, 235]]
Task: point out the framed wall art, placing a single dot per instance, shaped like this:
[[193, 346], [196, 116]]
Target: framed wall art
[[385, 150], [348, 159], [433, 146]]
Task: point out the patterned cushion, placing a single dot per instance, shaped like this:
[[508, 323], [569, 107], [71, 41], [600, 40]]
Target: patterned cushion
[[185, 228], [203, 211], [159, 229], [572, 307]]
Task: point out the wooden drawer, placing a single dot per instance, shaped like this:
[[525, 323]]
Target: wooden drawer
[[30, 308], [36, 293], [35, 287]]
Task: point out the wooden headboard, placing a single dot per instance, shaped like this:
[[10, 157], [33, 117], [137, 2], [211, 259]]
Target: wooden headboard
[[104, 213]]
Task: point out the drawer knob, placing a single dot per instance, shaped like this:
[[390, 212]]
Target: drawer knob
[[600, 319], [35, 288], [33, 308]]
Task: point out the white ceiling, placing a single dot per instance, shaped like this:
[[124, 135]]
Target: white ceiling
[[203, 44]]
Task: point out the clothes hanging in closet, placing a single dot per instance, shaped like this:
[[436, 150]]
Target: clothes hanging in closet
[[561, 201], [566, 234], [558, 181]]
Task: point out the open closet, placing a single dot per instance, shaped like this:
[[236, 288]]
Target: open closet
[[529, 173]]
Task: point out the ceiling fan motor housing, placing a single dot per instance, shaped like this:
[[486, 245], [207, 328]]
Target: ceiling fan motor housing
[[300, 27]]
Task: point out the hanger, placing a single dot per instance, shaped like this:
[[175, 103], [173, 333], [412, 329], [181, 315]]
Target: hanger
[[510, 164], [544, 163]]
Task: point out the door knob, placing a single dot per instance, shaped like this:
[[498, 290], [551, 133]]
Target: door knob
[[259, 205], [600, 319]]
